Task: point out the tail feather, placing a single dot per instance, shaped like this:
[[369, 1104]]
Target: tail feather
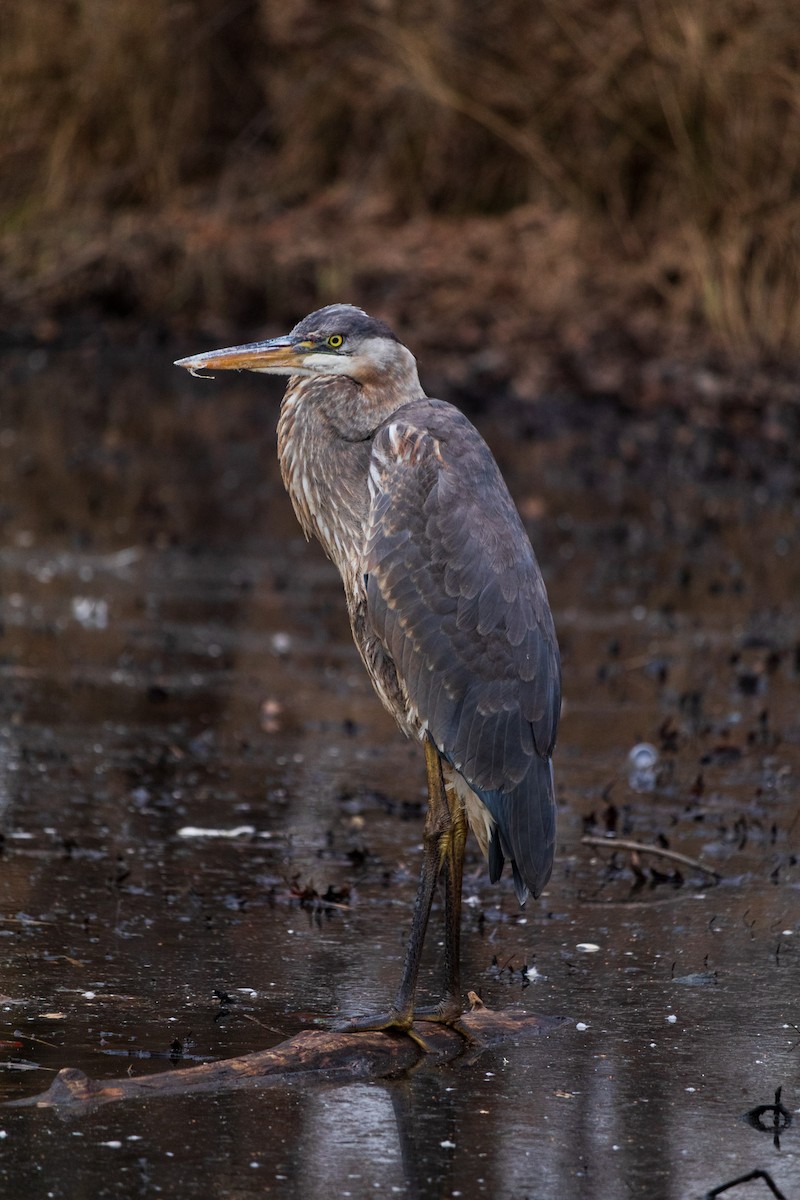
[[525, 832]]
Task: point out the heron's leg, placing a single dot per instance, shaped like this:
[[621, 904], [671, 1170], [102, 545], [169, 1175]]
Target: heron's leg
[[454, 871], [437, 829], [451, 861]]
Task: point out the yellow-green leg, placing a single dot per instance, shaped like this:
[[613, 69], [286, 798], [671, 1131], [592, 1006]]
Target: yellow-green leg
[[452, 866], [443, 853]]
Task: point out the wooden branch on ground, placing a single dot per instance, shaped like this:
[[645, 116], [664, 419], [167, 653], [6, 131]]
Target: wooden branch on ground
[[333, 1056], [615, 843]]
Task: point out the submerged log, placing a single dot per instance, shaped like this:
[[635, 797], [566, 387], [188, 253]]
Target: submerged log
[[333, 1056]]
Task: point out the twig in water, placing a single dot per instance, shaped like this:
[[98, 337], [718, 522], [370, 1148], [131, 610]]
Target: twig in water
[[765, 1175], [645, 848]]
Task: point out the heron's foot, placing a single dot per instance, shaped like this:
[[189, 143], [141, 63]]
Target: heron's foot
[[447, 1012], [393, 1021]]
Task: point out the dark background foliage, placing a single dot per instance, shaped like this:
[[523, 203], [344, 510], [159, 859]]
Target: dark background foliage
[[592, 177]]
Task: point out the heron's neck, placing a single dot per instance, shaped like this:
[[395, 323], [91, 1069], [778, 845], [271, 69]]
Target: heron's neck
[[324, 445]]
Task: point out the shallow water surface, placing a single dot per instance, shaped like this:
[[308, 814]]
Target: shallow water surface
[[212, 830]]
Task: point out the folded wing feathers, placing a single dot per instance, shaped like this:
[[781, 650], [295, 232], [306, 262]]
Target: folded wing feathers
[[455, 596]]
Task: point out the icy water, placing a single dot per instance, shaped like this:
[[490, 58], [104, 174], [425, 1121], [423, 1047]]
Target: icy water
[[212, 830]]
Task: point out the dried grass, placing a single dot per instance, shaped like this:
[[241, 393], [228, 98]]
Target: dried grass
[[168, 136]]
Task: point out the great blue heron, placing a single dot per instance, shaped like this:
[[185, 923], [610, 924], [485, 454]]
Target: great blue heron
[[446, 601]]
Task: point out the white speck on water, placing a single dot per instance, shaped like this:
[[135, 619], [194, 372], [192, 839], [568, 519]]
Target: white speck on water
[[89, 996], [581, 1026], [90, 611], [447, 1145], [587, 947], [281, 643], [690, 1089], [672, 1018], [196, 831], [112, 1145], [642, 761], [643, 755]]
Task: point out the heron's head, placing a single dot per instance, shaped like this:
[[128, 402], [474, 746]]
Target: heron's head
[[338, 340]]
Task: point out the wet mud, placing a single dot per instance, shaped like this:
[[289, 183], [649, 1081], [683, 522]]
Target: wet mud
[[211, 830]]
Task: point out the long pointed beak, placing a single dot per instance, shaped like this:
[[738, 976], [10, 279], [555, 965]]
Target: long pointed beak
[[280, 356]]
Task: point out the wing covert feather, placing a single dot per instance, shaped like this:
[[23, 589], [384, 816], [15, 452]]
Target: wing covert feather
[[455, 595], [457, 603]]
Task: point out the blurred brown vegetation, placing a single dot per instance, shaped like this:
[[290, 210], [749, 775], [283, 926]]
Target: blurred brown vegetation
[[599, 175]]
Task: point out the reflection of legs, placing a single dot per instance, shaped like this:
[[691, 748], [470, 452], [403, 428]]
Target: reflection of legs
[[443, 850]]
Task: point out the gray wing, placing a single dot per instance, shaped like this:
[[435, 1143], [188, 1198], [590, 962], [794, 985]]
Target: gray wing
[[455, 596]]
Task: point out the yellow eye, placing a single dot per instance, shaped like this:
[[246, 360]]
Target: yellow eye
[[335, 341]]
